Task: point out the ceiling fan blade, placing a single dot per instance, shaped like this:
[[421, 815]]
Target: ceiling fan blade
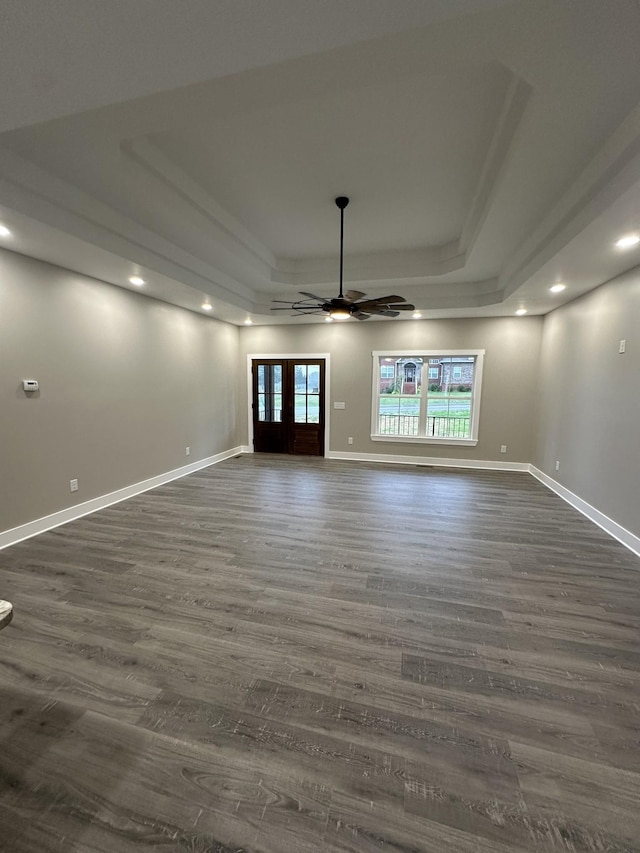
[[375, 303], [383, 310], [312, 296], [360, 315], [380, 303], [352, 295], [392, 299], [300, 309], [370, 303]]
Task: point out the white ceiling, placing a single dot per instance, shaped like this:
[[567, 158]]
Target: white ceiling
[[490, 149]]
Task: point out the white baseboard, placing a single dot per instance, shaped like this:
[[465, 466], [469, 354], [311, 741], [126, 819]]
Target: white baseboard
[[428, 460], [48, 522], [624, 536]]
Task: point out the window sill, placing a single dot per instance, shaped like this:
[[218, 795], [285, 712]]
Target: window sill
[[418, 439]]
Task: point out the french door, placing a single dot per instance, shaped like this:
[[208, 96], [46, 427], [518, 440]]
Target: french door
[[288, 406]]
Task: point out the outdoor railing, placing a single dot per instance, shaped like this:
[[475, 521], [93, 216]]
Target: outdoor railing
[[437, 427]]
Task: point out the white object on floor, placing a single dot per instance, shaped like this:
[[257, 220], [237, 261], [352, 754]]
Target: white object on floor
[[6, 613]]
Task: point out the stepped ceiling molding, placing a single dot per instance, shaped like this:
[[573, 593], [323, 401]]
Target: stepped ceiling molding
[[489, 149]]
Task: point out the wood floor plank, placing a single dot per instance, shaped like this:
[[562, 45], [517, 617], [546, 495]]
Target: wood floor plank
[[298, 655]]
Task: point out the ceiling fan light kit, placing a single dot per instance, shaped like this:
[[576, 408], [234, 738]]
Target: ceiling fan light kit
[[353, 303]]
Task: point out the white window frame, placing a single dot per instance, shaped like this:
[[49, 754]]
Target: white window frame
[[435, 370], [425, 355]]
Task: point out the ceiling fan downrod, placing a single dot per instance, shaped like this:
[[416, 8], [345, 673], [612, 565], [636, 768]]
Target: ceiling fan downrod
[[342, 201]]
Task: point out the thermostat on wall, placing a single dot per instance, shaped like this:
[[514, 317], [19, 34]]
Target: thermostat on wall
[[30, 384]]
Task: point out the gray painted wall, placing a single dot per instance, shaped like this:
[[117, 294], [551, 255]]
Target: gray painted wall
[[589, 403], [512, 347], [126, 384]]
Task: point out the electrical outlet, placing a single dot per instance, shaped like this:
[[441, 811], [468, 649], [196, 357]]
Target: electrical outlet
[[503, 448], [623, 346], [350, 440], [557, 465], [73, 485], [187, 451]]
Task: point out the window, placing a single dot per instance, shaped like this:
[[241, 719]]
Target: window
[[387, 371], [412, 409]]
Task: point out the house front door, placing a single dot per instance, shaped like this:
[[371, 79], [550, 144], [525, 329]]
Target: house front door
[[288, 406]]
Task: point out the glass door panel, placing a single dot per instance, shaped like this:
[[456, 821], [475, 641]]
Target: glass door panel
[[270, 393], [307, 393]]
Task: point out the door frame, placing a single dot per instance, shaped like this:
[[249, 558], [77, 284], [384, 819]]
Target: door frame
[[288, 355]]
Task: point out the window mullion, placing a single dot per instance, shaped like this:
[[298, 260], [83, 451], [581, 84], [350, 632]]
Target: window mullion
[[422, 421]]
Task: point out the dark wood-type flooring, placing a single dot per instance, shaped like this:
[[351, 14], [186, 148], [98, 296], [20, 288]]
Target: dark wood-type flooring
[[286, 655]]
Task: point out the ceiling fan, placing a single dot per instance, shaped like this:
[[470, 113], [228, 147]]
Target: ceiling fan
[[353, 303]]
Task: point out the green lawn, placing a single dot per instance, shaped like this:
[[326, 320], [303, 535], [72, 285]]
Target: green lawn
[[439, 405], [449, 394]]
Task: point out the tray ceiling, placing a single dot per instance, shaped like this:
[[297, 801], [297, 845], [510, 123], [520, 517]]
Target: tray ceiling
[[479, 151]]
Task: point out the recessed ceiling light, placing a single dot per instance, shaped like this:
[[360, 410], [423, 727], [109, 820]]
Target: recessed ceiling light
[[135, 279], [521, 311], [206, 306], [416, 315], [628, 241], [4, 231], [248, 322], [558, 288]]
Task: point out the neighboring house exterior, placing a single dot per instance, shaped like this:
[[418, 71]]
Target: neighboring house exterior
[[404, 375]]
